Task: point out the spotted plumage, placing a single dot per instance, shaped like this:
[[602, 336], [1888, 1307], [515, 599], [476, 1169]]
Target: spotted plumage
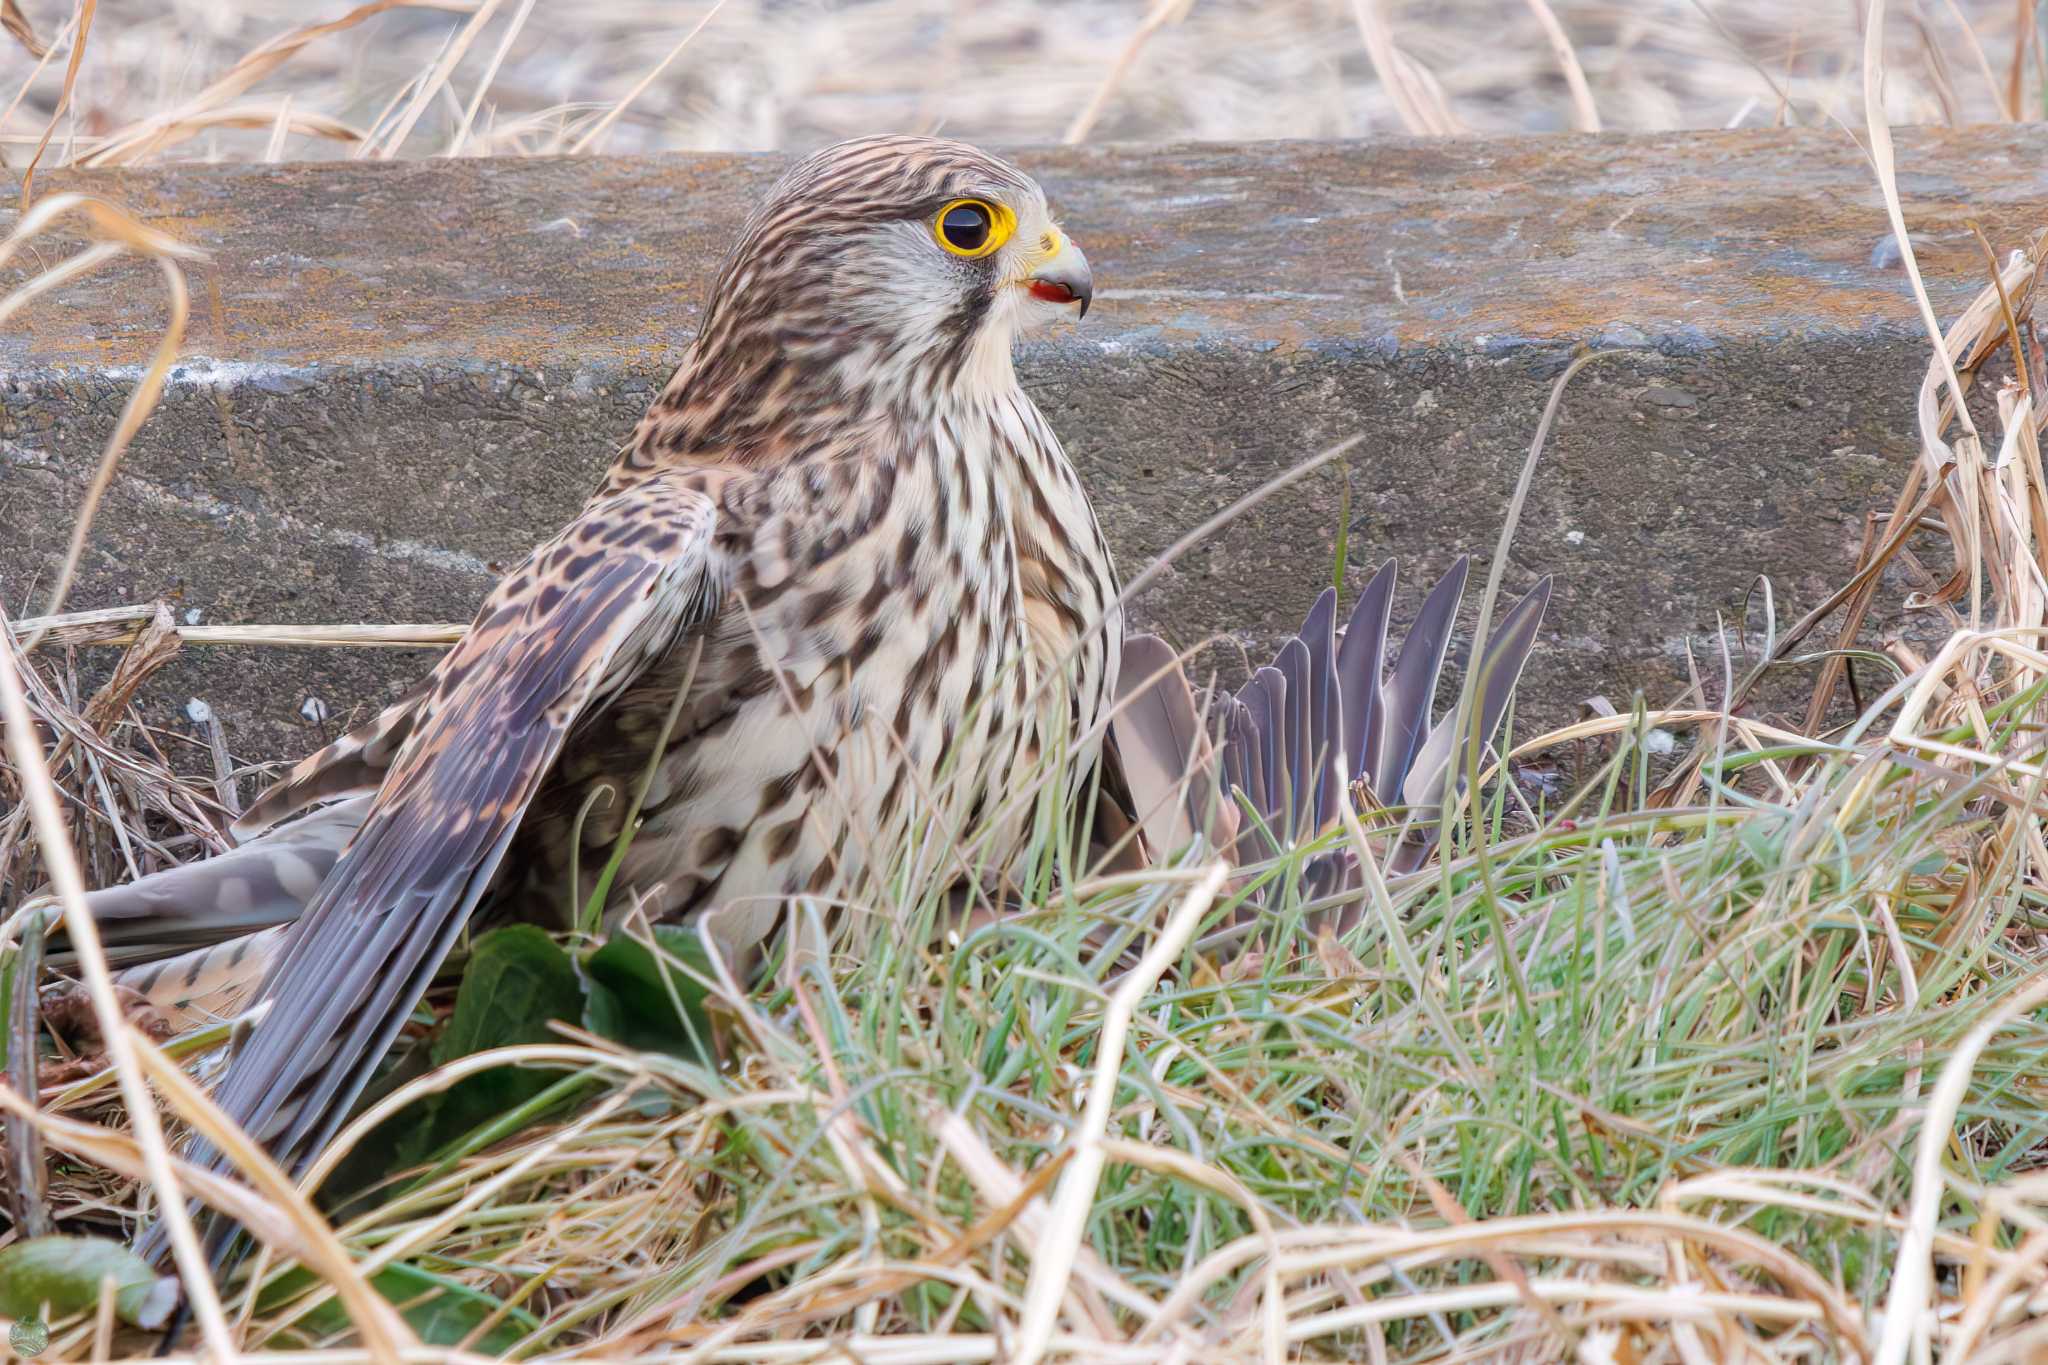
[[843, 565]]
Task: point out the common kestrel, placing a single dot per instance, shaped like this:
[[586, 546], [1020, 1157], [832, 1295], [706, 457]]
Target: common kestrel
[[842, 581], [843, 576]]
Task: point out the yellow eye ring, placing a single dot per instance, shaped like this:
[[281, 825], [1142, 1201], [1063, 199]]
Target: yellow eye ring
[[973, 227]]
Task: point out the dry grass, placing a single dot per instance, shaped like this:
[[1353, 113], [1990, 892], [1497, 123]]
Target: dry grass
[[1745, 1060], [186, 79], [127, 794], [1744, 1065]]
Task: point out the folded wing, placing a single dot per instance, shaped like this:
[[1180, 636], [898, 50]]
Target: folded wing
[[622, 586]]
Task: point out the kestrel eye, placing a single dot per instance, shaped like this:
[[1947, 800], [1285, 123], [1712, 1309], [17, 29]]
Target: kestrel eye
[[966, 227], [970, 227]]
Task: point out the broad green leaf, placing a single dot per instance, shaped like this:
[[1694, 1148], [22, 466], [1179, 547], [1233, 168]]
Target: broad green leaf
[[634, 997], [515, 981], [441, 1310], [518, 981], [59, 1276]]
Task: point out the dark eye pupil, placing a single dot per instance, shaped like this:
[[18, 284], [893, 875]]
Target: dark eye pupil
[[966, 226]]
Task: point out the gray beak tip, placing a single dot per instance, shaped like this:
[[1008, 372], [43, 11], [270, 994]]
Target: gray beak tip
[[1066, 278]]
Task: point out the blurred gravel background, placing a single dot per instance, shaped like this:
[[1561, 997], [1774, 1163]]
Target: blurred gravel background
[[547, 75]]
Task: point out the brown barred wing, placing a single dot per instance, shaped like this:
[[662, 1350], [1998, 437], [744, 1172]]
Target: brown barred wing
[[622, 585], [353, 765], [264, 883]]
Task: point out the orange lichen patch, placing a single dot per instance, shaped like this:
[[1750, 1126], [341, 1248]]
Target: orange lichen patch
[[1289, 244], [418, 368]]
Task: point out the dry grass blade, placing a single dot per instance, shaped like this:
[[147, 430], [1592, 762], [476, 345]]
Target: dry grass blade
[[157, 130], [1015, 73], [1162, 13], [2006, 110], [152, 797], [1417, 97], [1967, 453], [1623, 1075], [431, 85], [123, 232], [42, 60], [1904, 1317], [1018, 1199], [280, 118], [483, 86], [20, 29], [141, 400], [1586, 114], [385, 1334], [2022, 50], [613, 114], [122, 1153], [283, 48], [79, 33], [1053, 1258], [122, 1043], [123, 625]]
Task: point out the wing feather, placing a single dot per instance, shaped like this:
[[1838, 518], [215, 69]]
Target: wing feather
[[617, 588], [1411, 691], [263, 883], [1168, 751], [353, 765], [1252, 719], [1297, 777], [1360, 661], [1506, 651], [1325, 719], [1268, 715]]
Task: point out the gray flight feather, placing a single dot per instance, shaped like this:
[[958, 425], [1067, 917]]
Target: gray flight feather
[[1327, 712], [263, 883], [1360, 659], [1412, 688]]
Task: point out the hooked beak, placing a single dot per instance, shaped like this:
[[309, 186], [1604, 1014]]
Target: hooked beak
[[1063, 277]]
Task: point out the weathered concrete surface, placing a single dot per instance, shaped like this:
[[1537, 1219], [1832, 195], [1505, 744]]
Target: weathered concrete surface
[[401, 376]]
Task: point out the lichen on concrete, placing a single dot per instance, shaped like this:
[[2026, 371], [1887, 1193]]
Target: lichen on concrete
[[400, 376]]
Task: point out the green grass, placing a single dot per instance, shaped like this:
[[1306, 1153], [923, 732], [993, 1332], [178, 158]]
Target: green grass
[[1694, 991], [1708, 1054], [1701, 1060]]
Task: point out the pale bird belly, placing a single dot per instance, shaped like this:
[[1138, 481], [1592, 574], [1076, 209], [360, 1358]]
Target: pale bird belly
[[824, 781], [814, 788]]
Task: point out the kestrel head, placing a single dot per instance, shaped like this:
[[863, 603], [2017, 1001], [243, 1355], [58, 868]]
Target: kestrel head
[[892, 257]]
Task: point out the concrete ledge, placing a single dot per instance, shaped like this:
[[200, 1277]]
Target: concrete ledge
[[401, 376]]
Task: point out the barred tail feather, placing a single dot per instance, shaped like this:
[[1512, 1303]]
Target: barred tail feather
[[264, 883]]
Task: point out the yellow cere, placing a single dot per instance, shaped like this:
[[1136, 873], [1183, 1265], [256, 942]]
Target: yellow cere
[[973, 227]]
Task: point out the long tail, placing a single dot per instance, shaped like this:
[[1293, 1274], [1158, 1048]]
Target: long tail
[[262, 884]]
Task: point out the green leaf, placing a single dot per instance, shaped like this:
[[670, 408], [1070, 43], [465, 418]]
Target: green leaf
[[648, 1004], [441, 1310], [62, 1275], [518, 981], [515, 981], [10, 959]]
